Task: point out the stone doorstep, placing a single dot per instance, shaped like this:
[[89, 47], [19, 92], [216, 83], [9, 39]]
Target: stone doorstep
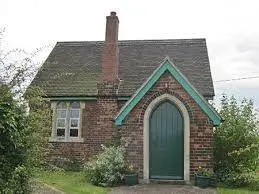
[[165, 181]]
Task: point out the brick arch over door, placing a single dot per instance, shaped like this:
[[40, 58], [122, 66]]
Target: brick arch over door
[[155, 95], [180, 105]]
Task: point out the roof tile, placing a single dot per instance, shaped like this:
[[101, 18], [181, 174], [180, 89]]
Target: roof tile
[[74, 68]]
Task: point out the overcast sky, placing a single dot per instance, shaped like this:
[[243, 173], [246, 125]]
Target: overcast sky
[[231, 29]]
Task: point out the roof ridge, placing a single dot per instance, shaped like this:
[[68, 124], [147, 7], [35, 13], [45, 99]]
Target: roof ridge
[[130, 42]]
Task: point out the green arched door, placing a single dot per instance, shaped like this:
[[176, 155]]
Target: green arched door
[[166, 142]]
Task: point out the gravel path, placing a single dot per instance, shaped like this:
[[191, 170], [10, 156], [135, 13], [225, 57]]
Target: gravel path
[[39, 188], [161, 188]]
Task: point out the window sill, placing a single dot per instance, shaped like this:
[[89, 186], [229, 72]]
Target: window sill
[[75, 139]]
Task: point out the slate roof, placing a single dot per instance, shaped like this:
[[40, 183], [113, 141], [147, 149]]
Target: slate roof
[[74, 68]]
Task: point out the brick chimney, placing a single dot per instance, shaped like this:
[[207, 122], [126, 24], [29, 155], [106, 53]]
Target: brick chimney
[[111, 51]]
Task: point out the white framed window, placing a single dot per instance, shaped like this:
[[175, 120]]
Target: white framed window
[[74, 119], [67, 121]]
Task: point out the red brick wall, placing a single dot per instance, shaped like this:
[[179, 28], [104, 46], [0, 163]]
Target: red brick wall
[[201, 129], [98, 126]]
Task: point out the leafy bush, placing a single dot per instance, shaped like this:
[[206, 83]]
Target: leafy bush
[[22, 144], [235, 143], [39, 126], [106, 169], [22, 139], [14, 144], [254, 186], [236, 179], [19, 182]]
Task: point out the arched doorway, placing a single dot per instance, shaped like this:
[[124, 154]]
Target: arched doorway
[[166, 142], [158, 114]]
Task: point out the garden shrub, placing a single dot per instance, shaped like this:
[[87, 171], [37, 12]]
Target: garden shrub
[[19, 182], [236, 179], [107, 168], [13, 144], [236, 143], [22, 144], [254, 186]]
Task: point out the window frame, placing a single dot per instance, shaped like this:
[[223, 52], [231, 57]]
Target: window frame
[[70, 120], [67, 137], [61, 118]]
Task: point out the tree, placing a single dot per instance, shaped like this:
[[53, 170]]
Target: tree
[[23, 142], [13, 144], [18, 66], [236, 146]]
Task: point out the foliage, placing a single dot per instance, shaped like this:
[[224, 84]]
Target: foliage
[[22, 142], [204, 172], [254, 186], [19, 182], [39, 125], [107, 168], [18, 67], [236, 143], [130, 169], [14, 142]]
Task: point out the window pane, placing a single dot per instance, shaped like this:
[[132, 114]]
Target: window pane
[[75, 105], [74, 123], [61, 113], [62, 105], [74, 113], [73, 133], [61, 122], [61, 132]]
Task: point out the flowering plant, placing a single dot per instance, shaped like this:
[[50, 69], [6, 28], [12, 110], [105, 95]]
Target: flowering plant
[[130, 169], [107, 168], [204, 172]]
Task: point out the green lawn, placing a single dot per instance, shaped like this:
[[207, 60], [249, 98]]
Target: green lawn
[[69, 182], [235, 191]]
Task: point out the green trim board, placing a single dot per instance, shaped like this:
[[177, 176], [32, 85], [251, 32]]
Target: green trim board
[[69, 98], [169, 66], [66, 98]]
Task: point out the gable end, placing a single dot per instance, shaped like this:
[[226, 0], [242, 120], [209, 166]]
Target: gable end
[[169, 66]]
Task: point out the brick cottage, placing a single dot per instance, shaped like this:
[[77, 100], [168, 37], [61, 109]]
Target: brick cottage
[[153, 92]]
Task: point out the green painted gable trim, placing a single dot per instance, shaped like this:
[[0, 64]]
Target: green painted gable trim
[[167, 65]]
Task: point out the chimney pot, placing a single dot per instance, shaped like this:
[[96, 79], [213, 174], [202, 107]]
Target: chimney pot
[[113, 13]]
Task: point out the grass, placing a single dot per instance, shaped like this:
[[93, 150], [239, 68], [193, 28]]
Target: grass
[[235, 191], [69, 182]]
